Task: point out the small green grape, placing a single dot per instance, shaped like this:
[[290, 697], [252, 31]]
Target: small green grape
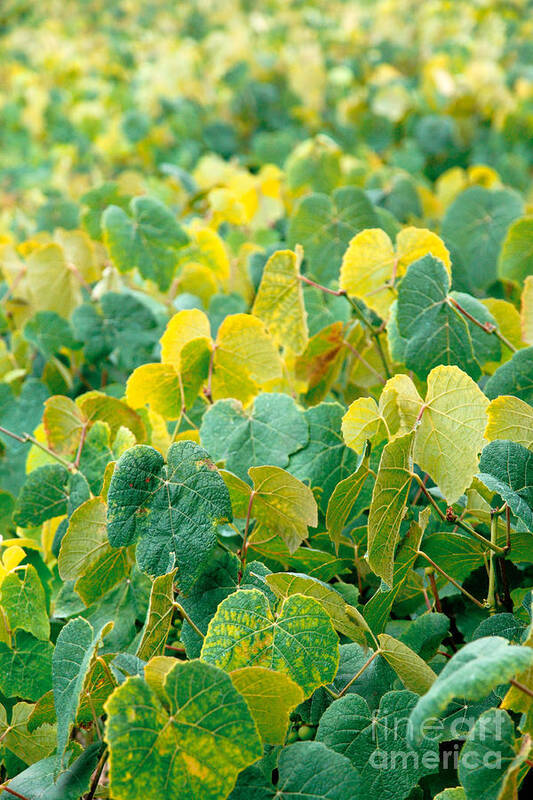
[[306, 732]]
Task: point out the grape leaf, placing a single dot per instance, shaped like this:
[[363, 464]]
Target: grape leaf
[[43, 496], [507, 468], [172, 510], [388, 505], [306, 769], [270, 697], [25, 667], [450, 432], [159, 618], [475, 225], [324, 226], [269, 433], [279, 302], [195, 749], [515, 377], [299, 641], [23, 602], [149, 240], [471, 673], [432, 327], [510, 418], [373, 743]]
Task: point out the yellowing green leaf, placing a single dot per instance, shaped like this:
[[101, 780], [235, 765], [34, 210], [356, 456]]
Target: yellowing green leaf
[[449, 436], [299, 640], [412, 670], [510, 418], [270, 697], [279, 301], [388, 505], [526, 313], [363, 421]]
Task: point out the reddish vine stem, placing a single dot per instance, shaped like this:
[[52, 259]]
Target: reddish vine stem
[[434, 590], [521, 687], [488, 327], [80, 446], [375, 333], [14, 793], [25, 438], [457, 585], [97, 775], [208, 393]]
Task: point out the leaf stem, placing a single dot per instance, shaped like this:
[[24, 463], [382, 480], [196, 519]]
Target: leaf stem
[[97, 774], [522, 687], [25, 438], [452, 518], [334, 292], [186, 617], [363, 361], [488, 327], [491, 594], [457, 585], [6, 788], [359, 673], [434, 590]]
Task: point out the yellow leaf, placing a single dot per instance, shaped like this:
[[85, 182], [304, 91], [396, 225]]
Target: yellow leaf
[[155, 385], [270, 695], [508, 321], [510, 418], [52, 285], [394, 415], [63, 423], [182, 328], [80, 253], [279, 302], [207, 248], [199, 280], [371, 264], [526, 314], [245, 358], [363, 421], [450, 432]]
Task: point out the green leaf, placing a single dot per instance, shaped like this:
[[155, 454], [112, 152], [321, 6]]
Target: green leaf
[[43, 496], [299, 640], [412, 670], [507, 468], [270, 697], [195, 749], [308, 770], [50, 333], [388, 505], [267, 434], [324, 226], [378, 745], [471, 674], [515, 377], [26, 667], [434, 330], [475, 225], [172, 510], [86, 555], [378, 608], [159, 618], [325, 460], [344, 498], [149, 240], [279, 502], [40, 781], [488, 757], [346, 619], [75, 649], [517, 251]]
